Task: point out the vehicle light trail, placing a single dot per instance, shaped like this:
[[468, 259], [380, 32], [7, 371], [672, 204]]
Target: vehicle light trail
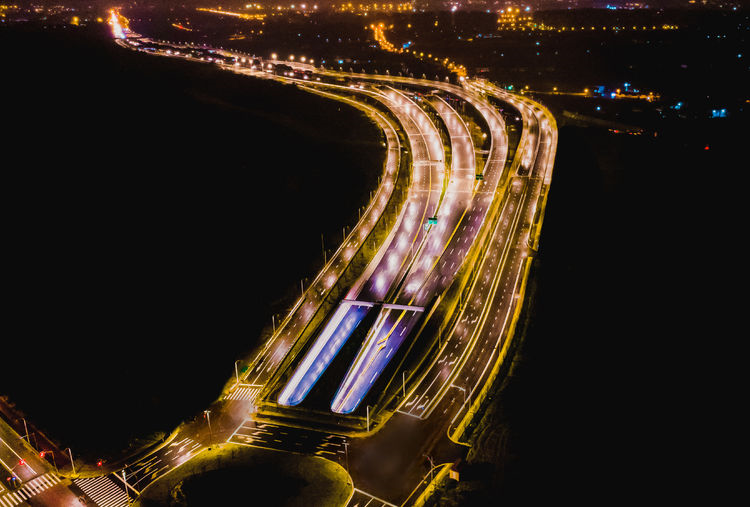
[[116, 21], [426, 278], [387, 267], [325, 348]]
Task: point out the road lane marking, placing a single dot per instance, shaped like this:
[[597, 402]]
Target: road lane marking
[[17, 455]]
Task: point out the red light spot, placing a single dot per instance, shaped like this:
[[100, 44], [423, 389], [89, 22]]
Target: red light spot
[[706, 148]]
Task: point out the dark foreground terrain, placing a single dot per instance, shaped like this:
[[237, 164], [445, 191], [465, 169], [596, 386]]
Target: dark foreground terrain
[[156, 214], [615, 393]]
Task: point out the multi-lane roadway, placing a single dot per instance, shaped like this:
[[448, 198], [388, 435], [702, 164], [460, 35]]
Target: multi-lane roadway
[[26, 477], [461, 244], [392, 261]]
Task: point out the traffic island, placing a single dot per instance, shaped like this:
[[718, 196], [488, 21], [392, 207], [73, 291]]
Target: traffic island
[[222, 475]]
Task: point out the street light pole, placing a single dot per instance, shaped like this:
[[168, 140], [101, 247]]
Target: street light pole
[[207, 413], [432, 464], [346, 451], [72, 464], [53, 461], [26, 429], [368, 418], [236, 373], [124, 480], [44, 453], [403, 381]]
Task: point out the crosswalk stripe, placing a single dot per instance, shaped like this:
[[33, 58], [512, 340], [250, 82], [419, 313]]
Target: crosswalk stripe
[[103, 495], [244, 394], [34, 486], [30, 489], [96, 488], [103, 488], [103, 491]]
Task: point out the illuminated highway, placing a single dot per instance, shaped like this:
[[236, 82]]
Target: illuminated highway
[[428, 271], [378, 345], [439, 401], [409, 236], [390, 262], [263, 366], [460, 248]]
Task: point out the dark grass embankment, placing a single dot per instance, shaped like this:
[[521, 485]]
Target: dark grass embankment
[[237, 475], [157, 213], [614, 393]]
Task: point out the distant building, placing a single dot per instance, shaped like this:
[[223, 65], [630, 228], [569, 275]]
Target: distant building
[[510, 18]]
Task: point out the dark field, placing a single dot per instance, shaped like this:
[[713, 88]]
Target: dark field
[[157, 213], [614, 393]]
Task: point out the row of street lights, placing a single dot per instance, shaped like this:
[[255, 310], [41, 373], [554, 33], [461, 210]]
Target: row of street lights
[[44, 453]]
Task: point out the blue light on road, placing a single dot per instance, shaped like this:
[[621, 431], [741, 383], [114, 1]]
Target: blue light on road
[[324, 350]]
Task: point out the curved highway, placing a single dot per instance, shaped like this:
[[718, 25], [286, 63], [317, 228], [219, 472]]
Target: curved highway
[[460, 248]]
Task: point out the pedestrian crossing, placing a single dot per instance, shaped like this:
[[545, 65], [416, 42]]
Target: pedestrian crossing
[[31, 488], [103, 491], [244, 393], [361, 499]]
